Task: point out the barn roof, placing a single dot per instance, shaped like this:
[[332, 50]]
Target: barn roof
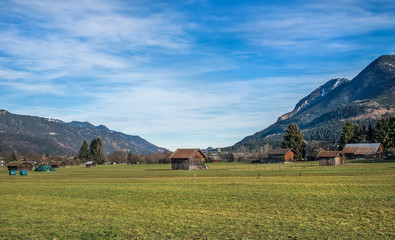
[[328, 154], [362, 148], [184, 153], [17, 163], [280, 151]]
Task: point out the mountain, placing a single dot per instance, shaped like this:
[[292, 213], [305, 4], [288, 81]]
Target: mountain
[[321, 115], [315, 96], [44, 135]]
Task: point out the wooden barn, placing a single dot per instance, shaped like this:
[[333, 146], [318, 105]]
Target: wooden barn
[[331, 158], [187, 159], [90, 164], [281, 155], [58, 164], [363, 151], [20, 165]]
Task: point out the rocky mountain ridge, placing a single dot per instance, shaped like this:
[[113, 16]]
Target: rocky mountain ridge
[[314, 96]]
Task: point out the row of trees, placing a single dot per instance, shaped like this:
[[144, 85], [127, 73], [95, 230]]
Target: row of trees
[[383, 132]]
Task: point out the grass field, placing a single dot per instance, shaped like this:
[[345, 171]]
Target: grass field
[[228, 201]]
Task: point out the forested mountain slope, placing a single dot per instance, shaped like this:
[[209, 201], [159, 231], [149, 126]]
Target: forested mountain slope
[[321, 114]]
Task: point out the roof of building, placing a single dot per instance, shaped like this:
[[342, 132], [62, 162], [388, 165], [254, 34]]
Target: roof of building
[[280, 151], [362, 148], [184, 153], [328, 154], [17, 163]]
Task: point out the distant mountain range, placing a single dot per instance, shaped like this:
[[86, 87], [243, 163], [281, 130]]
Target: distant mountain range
[[42, 135], [321, 114]]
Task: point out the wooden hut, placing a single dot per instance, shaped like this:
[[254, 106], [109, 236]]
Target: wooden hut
[[281, 155], [20, 165], [187, 159], [331, 158], [57, 164], [90, 164], [363, 151]]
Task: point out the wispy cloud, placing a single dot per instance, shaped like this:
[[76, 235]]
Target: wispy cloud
[[312, 25]]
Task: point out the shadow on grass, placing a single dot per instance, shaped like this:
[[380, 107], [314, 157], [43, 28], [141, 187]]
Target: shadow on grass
[[371, 161], [157, 170]]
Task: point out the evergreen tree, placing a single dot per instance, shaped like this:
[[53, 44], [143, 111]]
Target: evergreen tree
[[96, 151], [347, 134], [384, 133], [363, 132], [370, 134], [356, 138], [84, 151], [14, 157], [293, 138]]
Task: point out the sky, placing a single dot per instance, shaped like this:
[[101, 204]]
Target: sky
[[194, 73]]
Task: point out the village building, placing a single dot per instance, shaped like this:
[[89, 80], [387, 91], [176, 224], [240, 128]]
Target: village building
[[90, 164], [187, 159], [281, 155], [215, 159], [20, 165], [330, 158], [363, 151], [242, 157], [58, 164]]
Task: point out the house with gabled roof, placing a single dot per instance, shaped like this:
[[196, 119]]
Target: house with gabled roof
[[20, 165], [281, 155], [363, 151], [330, 158], [187, 159]]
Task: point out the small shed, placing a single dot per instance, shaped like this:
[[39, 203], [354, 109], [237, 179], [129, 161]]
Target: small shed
[[281, 155], [90, 164], [187, 159], [330, 158], [20, 165], [363, 151]]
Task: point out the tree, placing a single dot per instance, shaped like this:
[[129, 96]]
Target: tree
[[370, 134], [384, 133], [293, 138], [96, 151], [133, 158], [118, 157], [14, 156], [84, 151], [347, 134]]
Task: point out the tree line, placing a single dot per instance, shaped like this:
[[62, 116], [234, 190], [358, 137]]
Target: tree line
[[95, 152], [383, 132]]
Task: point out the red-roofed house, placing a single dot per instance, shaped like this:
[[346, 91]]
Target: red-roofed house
[[187, 159]]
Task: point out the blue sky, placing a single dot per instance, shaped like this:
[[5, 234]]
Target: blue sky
[[182, 73]]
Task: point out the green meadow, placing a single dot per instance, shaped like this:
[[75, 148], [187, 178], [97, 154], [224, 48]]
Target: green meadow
[[227, 201]]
